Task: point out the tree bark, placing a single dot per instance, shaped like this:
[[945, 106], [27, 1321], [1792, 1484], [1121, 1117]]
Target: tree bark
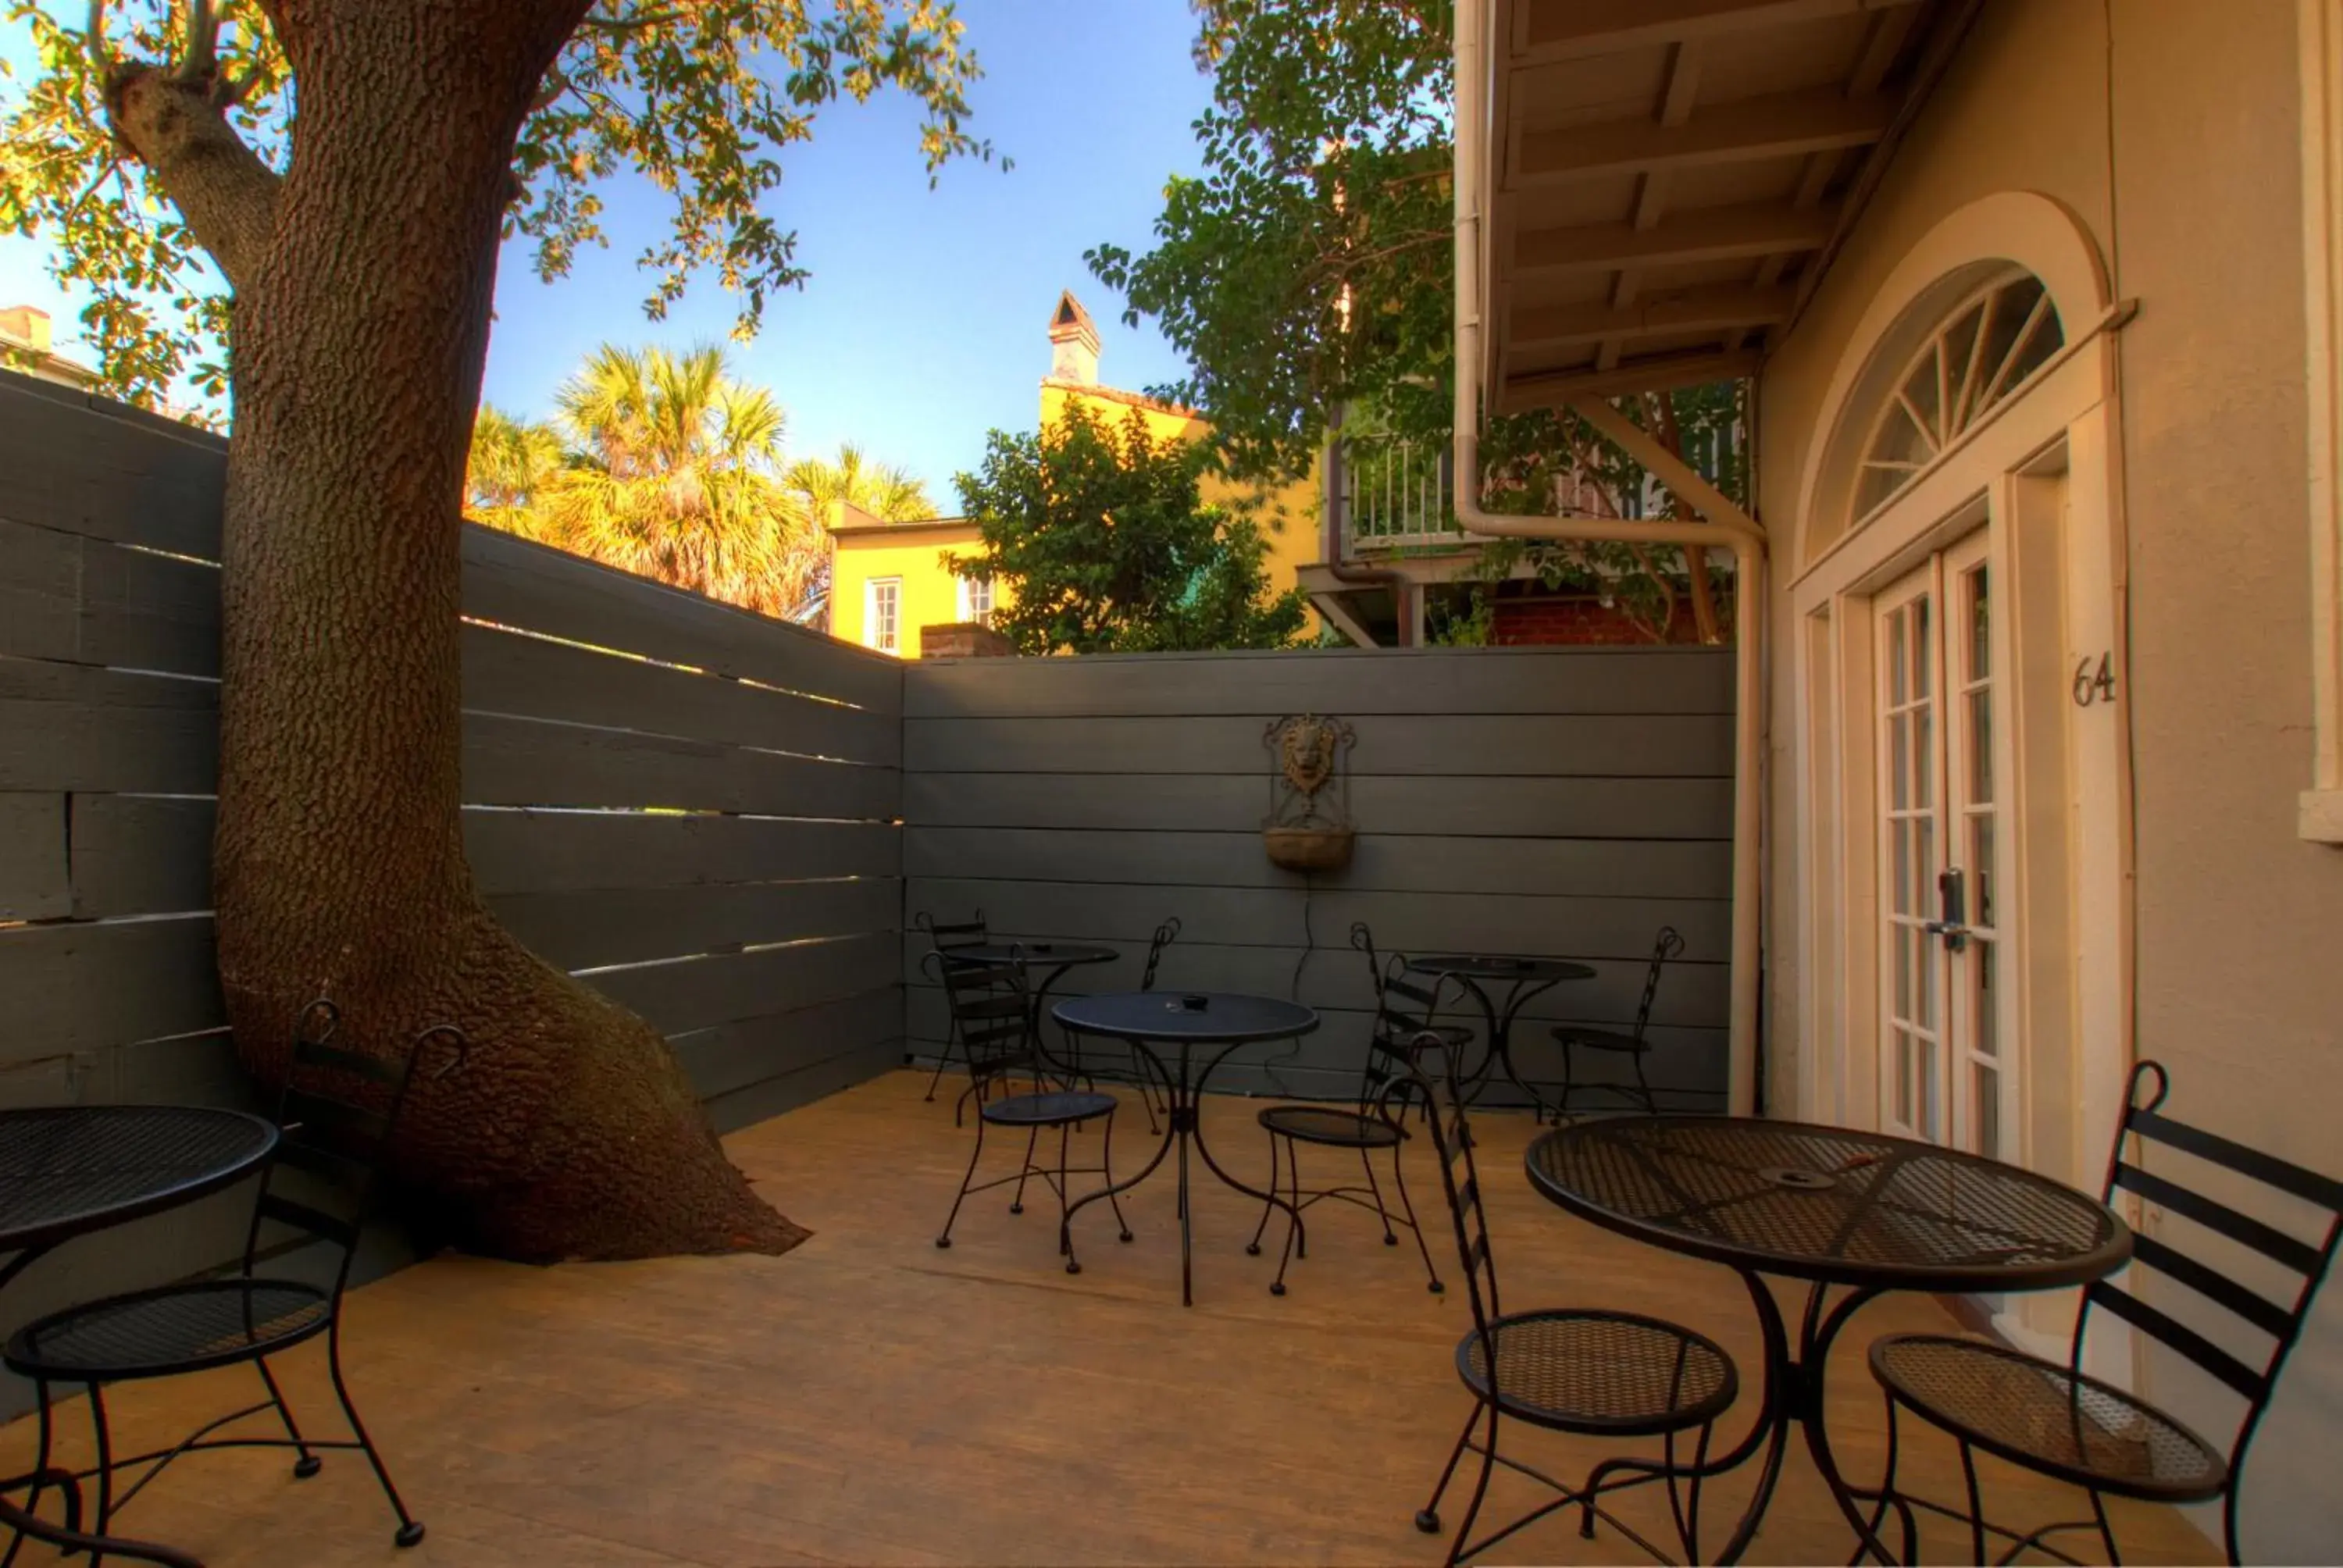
[[359, 333], [1670, 435]]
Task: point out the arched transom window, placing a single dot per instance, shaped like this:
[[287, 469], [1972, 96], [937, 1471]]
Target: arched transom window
[[1988, 346]]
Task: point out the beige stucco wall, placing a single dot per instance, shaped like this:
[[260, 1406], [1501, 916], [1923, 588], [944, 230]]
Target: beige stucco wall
[[2188, 182]]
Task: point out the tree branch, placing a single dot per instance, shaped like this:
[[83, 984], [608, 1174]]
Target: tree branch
[[200, 59], [93, 39], [219, 185]]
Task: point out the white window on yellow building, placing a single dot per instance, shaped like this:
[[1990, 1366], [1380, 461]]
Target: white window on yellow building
[[976, 600], [883, 614]]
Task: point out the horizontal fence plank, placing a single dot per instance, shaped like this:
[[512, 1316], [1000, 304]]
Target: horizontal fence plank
[[84, 986], [35, 882], [1543, 746], [141, 854], [700, 993], [1383, 861], [803, 1085], [90, 467], [511, 761], [1610, 928], [734, 1055], [629, 925], [1331, 975], [148, 854], [1351, 683], [64, 727], [505, 672], [1502, 807], [557, 851], [512, 582]]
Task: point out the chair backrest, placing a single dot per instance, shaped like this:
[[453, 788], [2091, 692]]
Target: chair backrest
[[2301, 1264], [1165, 935], [336, 1116], [946, 936], [1667, 945], [991, 1010], [1435, 1069]]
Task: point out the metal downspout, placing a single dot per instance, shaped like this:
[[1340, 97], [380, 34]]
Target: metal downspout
[[1726, 525]]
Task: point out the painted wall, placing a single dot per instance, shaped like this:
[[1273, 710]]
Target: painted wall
[[2170, 130], [912, 552]]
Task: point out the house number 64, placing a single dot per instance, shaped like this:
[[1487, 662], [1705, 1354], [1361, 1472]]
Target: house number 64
[[2095, 685]]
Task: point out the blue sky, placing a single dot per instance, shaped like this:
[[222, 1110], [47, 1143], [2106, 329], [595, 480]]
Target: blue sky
[[924, 323]]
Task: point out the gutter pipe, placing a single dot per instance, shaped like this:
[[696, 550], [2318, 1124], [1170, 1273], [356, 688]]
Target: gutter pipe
[[1727, 526]]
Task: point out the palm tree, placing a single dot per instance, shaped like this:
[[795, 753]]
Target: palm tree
[[513, 461], [881, 490], [675, 471]]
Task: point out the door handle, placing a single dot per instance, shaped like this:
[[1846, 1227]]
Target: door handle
[[1952, 893]]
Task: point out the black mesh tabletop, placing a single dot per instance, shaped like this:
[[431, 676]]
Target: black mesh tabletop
[[1499, 967], [1828, 1203], [67, 1170], [1201, 1018], [1039, 955]]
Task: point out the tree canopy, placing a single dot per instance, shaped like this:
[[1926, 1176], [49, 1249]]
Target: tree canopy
[[1308, 266], [666, 466], [1101, 535], [696, 98], [1308, 274]]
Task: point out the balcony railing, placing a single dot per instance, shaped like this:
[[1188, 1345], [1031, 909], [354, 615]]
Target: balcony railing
[[1397, 495]]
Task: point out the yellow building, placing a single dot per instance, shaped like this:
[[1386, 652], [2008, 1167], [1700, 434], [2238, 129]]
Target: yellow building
[[887, 580]]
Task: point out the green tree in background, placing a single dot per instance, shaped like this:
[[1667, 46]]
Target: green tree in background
[[665, 466], [1104, 542], [346, 257], [677, 474], [881, 490], [1309, 269]]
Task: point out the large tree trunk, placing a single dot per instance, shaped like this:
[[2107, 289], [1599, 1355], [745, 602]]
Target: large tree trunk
[[359, 337]]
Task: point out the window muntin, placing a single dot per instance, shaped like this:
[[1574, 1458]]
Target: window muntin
[[1990, 343], [882, 615]]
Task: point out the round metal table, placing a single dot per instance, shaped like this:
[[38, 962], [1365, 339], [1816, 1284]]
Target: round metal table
[[1832, 1206], [1148, 1019], [1525, 979], [67, 1171]]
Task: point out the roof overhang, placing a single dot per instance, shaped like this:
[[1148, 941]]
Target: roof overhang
[[1668, 179]]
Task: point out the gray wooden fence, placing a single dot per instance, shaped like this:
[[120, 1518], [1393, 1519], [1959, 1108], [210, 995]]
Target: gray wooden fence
[[693, 807], [1563, 802]]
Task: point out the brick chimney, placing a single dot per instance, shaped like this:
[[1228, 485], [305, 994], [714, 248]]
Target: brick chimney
[[1073, 343], [27, 326]]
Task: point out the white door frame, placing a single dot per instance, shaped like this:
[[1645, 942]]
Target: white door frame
[[2039, 477]]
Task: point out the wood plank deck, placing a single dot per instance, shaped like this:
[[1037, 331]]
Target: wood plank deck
[[870, 1399]]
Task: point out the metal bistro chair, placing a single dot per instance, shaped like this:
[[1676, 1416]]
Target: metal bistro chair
[[1574, 1370], [1375, 1124], [1149, 1092], [337, 1145], [1634, 1046], [944, 937], [991, 1014], [1404, 1009], [2058, 1421]]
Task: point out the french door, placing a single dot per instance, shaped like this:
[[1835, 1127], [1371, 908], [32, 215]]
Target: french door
[[1942, 1076]]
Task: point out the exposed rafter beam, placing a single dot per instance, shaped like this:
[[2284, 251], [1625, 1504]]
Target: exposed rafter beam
[[1569, 29], [1658, 373], [1780, 125], [1713, 233], [1719, 309]]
